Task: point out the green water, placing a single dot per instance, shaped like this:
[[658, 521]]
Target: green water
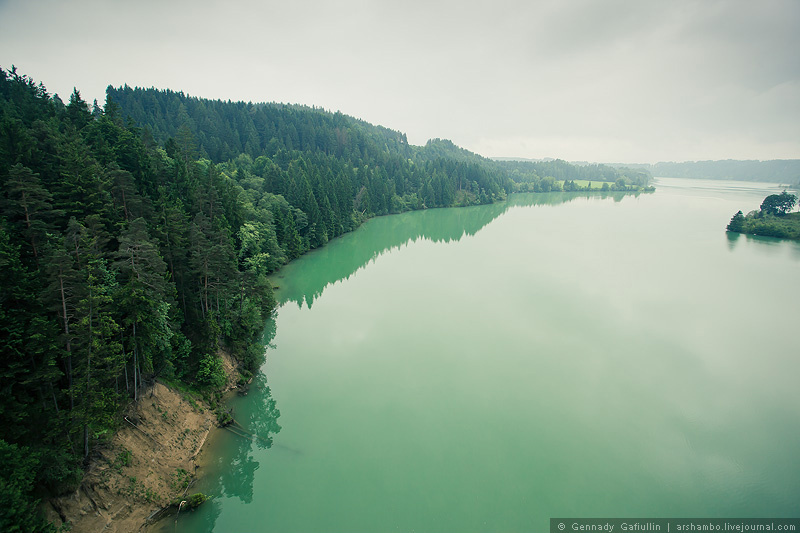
[[484, 369]]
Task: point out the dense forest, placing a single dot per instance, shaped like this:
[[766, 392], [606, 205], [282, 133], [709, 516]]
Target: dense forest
[[455, 176], [120, 262], [310, 156], [136, 240]]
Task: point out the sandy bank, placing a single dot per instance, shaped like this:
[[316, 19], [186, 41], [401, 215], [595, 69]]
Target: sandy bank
[[147, 464]]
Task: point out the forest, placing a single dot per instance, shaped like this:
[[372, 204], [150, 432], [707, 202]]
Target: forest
[[224, 130], [773, 218], [558, 175], [136, 240], [120, 262]]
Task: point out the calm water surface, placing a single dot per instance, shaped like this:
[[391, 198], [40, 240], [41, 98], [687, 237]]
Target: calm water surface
[[483, 369]]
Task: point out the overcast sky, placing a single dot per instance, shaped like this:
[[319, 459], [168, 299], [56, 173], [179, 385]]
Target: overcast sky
[[597, 80]]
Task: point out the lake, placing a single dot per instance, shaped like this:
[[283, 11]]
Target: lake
[[483, 369]]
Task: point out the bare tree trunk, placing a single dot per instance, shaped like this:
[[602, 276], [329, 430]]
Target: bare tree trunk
[[28, 224], [135, 365], [69, 343], [205, 290], [87, 402], [77, 255], [53, 392], [125, 205], [183, 299], [124, 358], [139, 369], [167, 239], [71, 393]]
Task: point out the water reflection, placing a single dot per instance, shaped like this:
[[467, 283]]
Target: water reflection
[[441, 428], [353, 251], [769, 245], [773, 246], [733, 238], [231, 470], [256, 425]]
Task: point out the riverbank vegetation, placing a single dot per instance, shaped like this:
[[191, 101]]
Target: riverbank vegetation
[[136, 239], [558, 175], [773, 219]]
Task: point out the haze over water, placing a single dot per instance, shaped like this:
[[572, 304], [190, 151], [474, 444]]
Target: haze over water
[[487, 368]]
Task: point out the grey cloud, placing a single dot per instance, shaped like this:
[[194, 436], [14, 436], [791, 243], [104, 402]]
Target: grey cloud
[[577, 79]]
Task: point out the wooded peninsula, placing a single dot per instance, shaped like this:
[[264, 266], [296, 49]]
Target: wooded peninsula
[[136, 240], [772, 219]]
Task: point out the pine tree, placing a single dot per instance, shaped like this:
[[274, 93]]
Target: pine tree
[[28, 202], [144, 297]]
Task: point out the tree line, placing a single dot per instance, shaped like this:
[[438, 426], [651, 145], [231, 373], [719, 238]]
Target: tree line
[[558, 175], [775, 171], [786, 171], [373, 165], [222, 130]]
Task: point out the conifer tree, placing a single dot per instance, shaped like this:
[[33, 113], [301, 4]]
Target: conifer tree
[[28, 202]]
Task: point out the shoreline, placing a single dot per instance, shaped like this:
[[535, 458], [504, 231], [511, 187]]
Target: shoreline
[[148, 462], [200, 459], [110, 498], [155, 457]]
